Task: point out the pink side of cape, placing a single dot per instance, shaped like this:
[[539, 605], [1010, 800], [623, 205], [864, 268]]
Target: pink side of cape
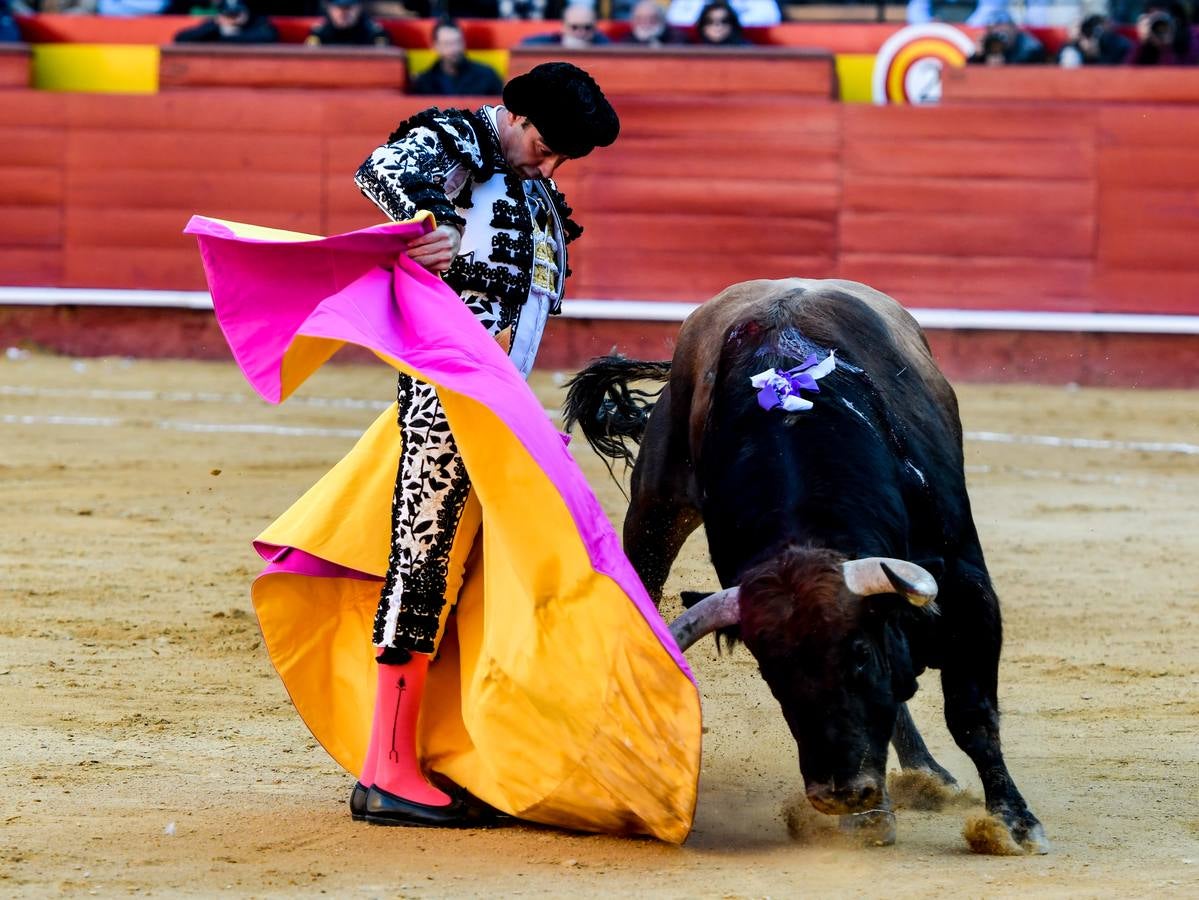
[[361, 287]]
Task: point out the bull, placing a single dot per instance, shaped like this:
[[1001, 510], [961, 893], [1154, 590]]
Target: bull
[[838, 524]]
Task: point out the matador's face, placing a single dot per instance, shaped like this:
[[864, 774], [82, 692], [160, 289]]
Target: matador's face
[[524, 148]]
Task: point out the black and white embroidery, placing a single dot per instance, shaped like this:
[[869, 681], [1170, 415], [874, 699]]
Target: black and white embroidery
[[433, 161], [431, 490], [414, 174], [449, 163]]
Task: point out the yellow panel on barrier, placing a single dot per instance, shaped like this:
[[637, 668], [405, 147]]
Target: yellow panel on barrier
[[854, 73], [420, 60], [96, 68]]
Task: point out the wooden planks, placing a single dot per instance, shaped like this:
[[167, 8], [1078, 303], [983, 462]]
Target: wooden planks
[[966, 208], [1051, 84], [683, 71], [282, 67], [15, 61], [702, 192], [1034, 206], [1148, 208]]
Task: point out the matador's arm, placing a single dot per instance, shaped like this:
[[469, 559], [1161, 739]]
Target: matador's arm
[[425, 165]]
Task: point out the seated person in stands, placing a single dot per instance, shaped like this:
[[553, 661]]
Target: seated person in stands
[[1165, 36], [749, 13], [9, 33], [453, 73], [1005, 44], [408, 9], [346, 23], [130, 7], [58, 7], [982, 13], [718, 26], [648, 27], [233, 23], [1096, 43], [579, 29], [528, 9]]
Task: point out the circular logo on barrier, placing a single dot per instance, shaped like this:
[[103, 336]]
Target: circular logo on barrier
[[908, 66]]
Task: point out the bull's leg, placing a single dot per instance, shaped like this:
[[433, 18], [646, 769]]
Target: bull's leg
[[969, 680], [911, 749], [660, 516]]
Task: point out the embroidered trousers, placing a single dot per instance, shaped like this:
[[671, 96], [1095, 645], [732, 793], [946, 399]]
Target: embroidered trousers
[[430, 510]]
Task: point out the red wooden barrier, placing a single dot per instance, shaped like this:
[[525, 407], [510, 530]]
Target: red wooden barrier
[[14, 66], [282, 66], [695, 71], [985, 205], [1094, 84], [1080, 207]]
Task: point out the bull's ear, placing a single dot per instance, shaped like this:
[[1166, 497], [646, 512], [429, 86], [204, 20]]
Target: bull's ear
[[690, 598]]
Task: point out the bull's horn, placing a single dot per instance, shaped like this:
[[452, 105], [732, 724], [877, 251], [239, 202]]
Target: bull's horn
[[878, 575], [719, 610]]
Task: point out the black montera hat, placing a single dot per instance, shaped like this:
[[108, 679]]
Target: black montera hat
[[566, 105]]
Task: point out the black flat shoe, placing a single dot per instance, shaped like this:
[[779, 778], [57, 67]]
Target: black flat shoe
[[358, 802], [382, 808]]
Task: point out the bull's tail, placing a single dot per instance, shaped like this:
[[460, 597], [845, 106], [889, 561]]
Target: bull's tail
[[608, 411]]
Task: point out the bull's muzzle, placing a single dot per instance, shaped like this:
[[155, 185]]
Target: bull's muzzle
[[861, 793]]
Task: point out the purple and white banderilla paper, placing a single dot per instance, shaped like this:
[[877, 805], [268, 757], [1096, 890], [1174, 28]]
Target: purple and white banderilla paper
[[781, 389]]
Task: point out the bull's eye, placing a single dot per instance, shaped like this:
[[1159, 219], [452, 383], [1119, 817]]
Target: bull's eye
[[861, 653]]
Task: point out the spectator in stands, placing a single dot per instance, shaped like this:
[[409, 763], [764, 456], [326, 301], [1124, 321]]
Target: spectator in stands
[[1005, 44], [234, 24], [1096, 43], [9, 33], [979, 14], [346, 22], [400, 9], [579, 29], [1165, 36], [130, 7], [718, 26], [529, 9], [749, 13], [453, 73], [648, 27]]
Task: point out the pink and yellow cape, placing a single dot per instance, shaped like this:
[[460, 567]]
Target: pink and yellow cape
[[558, 695]]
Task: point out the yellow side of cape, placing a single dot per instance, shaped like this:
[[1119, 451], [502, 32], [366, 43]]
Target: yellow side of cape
[[550, 698]]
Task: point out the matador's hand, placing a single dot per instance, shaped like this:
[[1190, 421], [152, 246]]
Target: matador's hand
[[437, 249]]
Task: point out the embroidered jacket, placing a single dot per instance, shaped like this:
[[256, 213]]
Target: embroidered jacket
[[449, 163]]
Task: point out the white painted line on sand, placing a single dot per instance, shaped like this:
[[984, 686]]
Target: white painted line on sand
[[1054, 474], [176, 425], [990, 437], [302, 431], [1049, 440], [17, 390]]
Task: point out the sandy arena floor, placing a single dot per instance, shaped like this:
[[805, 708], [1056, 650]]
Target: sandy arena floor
[[146, 745]]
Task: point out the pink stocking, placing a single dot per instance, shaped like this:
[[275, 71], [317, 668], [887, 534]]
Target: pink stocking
[[391, 762]]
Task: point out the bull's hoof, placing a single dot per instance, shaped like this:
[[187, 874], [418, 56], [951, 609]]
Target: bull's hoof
[[921, 789], [872, 828], [990, 834], [1034, 841]]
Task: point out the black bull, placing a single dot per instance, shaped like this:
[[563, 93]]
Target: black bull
[[874, 469]]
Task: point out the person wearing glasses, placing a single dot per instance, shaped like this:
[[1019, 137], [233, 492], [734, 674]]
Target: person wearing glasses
[[578, 30], [718, 26]]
